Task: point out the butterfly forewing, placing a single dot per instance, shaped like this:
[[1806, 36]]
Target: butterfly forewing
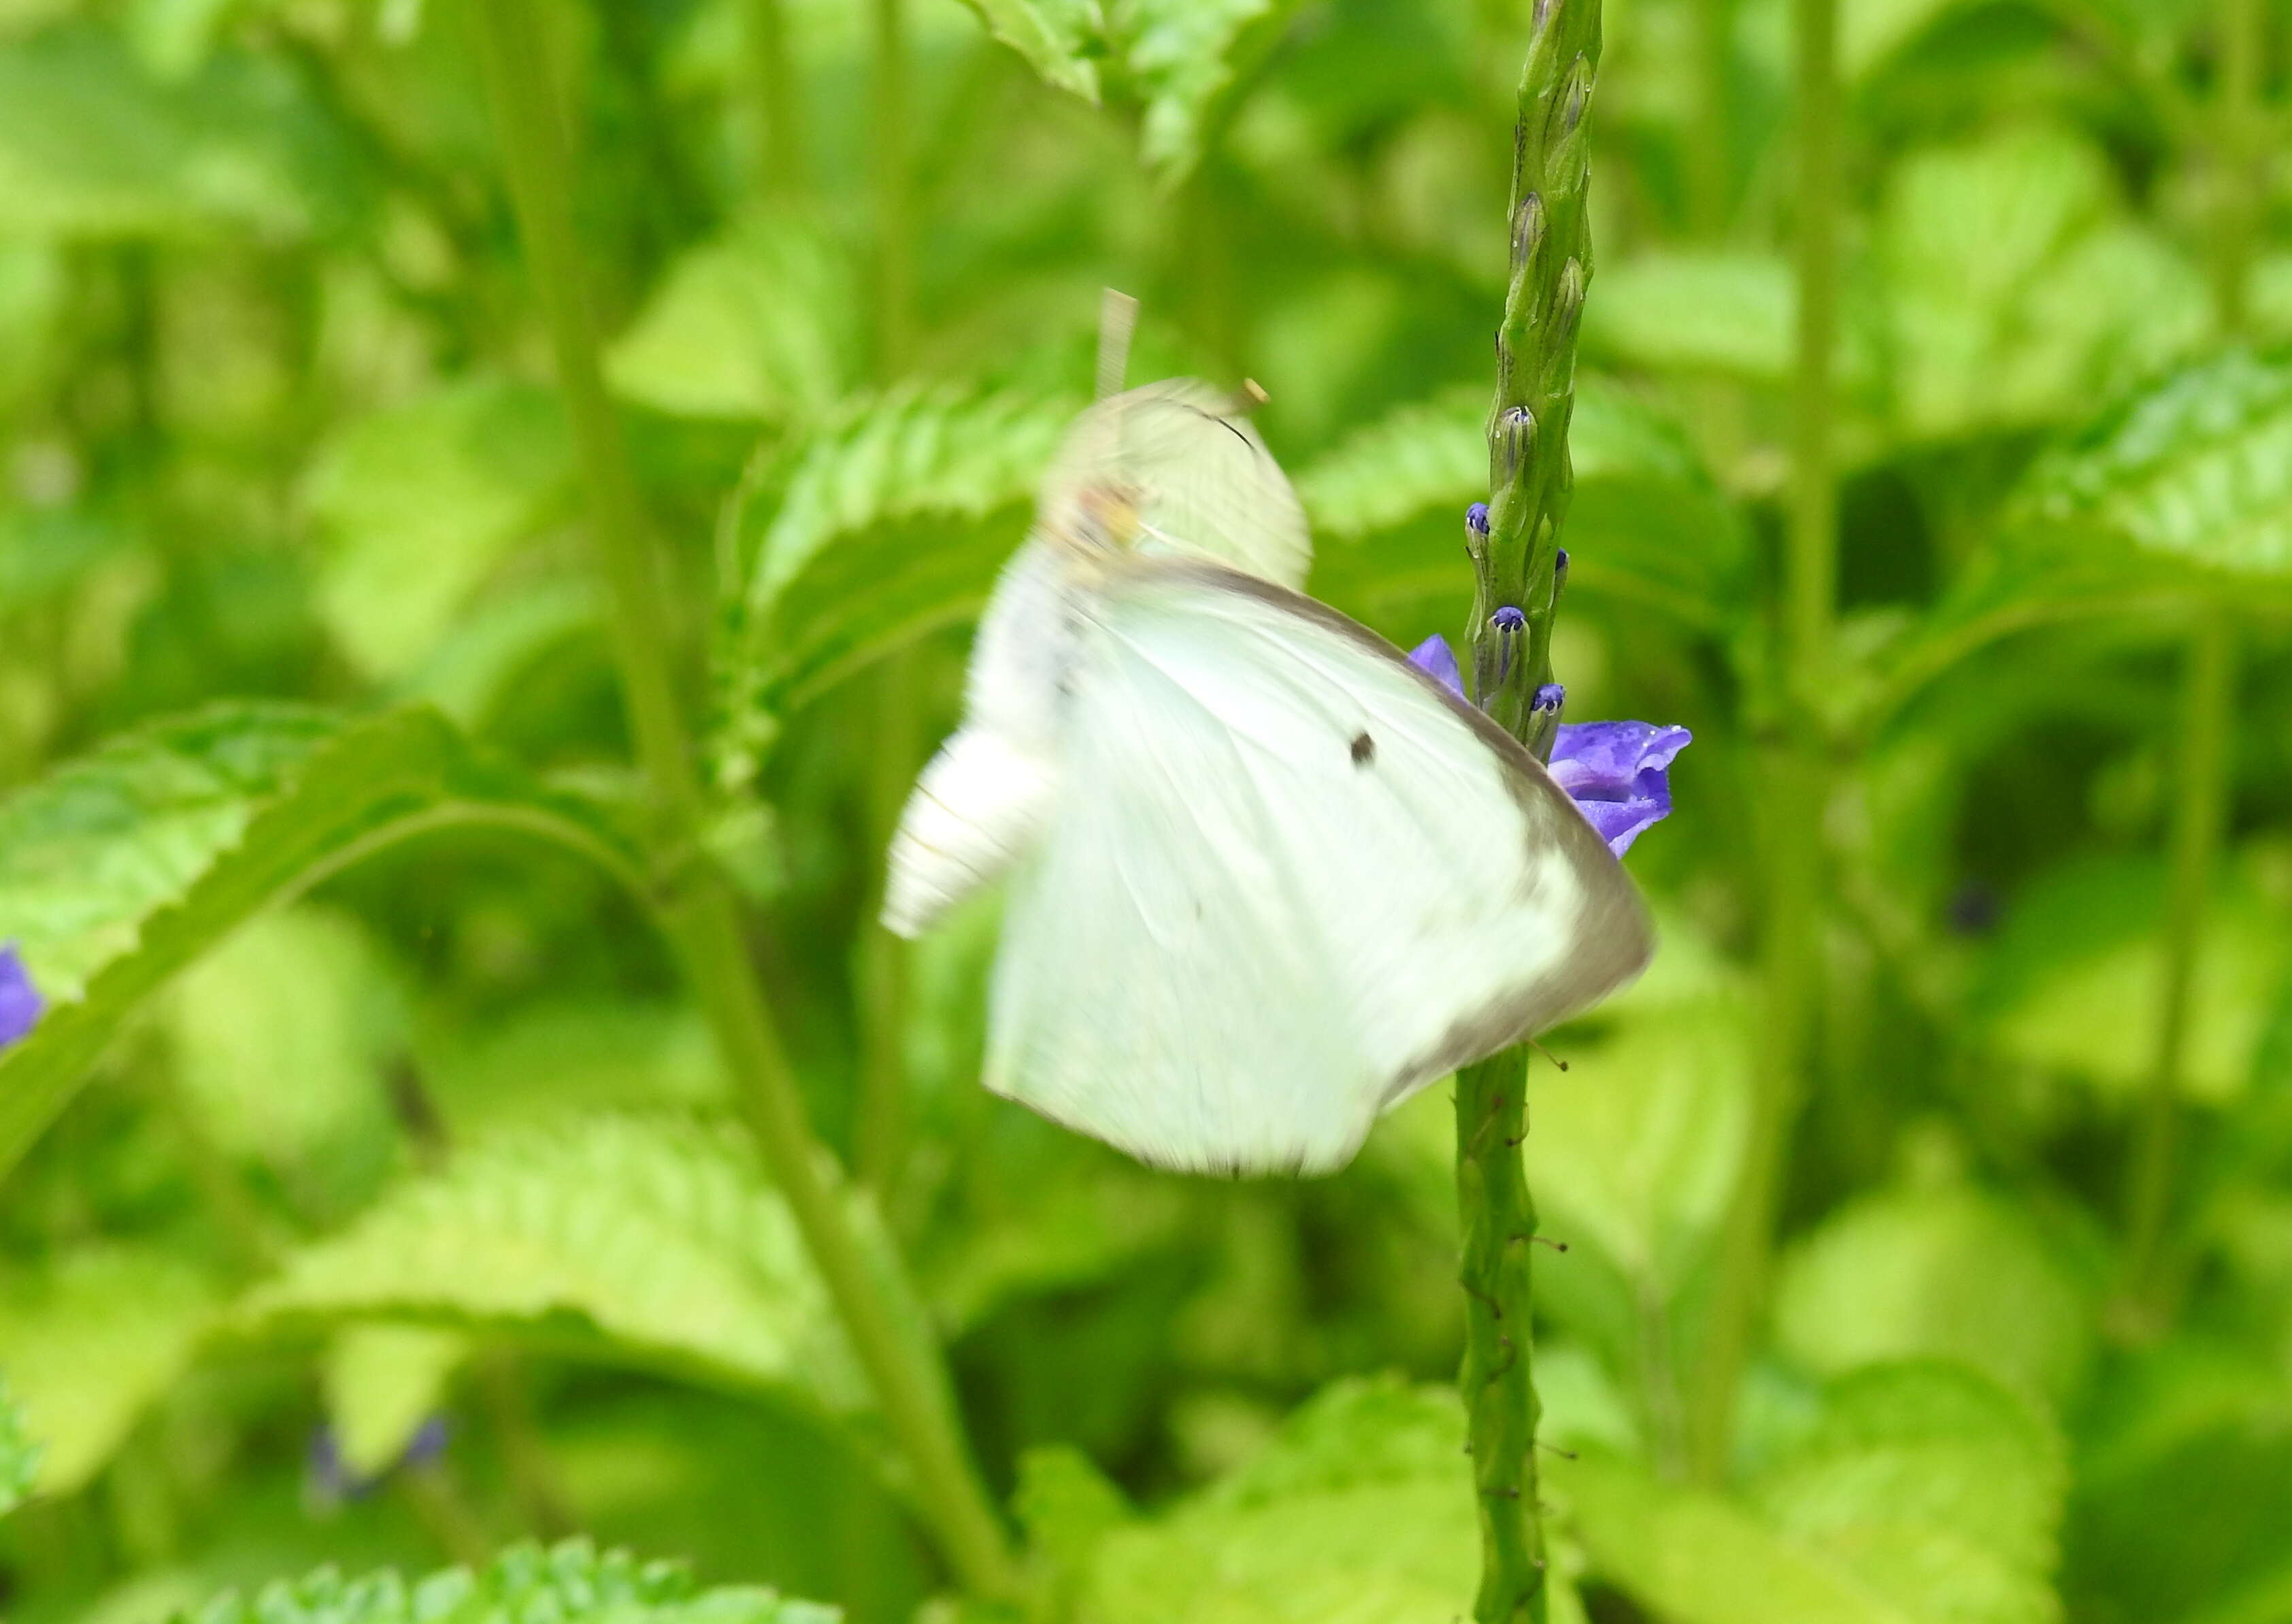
[[1292, 882], [1201, 481]]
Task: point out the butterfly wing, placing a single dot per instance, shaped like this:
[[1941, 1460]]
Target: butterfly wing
[[1291, 881], [1203, 482], [980, 800]]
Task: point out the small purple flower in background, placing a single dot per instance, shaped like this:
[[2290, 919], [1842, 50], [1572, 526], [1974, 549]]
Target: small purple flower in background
[[21, 1003], [330, 1480], [1618, 772], [1551, 697]]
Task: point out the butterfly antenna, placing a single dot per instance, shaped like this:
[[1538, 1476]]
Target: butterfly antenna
[[1117, 318]]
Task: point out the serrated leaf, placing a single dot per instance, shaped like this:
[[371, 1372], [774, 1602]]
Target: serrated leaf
[[1923, 1494], [2017, 291], [1187, 58], [571, 1583], [1058, 39], [1951, 1273], [1387, 507], [419, 504], [1359, 1512], [92, 146], [891, 521], [119, 869], [20, 1456], [2197, 469], [2178, 492], [653, 1241], [1938, 1490], [760, 323], [90, 1341]]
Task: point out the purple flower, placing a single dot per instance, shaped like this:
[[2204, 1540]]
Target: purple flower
[[1436, 659], [1550, 696], [1618, 772], [21, 1003]]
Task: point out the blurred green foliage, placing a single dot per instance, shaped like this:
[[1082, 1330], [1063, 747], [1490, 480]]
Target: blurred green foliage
[[358, 1107]]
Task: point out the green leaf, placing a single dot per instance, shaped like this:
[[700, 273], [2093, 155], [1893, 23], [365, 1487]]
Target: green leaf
[[119, 870], [2196, 470], [569, 1056], [762, 322], [1360, 1512], [420, 503], [891, 521], [1387, 508], [652, 1242], [2017, 291], [1058, 37], [2181, 490], [2073, 979], [278, 1038], [571, 1583], [20, 1456], [1940, 1491], [1721, 314], [1922, 1494], [91, 146], [1067, 1508], [90, 1341], [382, 1382], [1952, 1272], [1188, 59]]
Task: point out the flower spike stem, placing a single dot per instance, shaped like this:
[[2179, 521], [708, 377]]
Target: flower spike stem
[[1515, 560], [701, 914]]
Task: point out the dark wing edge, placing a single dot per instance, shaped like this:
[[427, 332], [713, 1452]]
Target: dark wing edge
[[1616, 934]]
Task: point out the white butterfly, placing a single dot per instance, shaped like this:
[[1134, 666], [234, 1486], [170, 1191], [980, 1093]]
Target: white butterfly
[[1266, 877]]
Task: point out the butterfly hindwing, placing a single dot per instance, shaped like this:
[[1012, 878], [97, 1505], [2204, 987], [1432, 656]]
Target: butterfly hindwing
[[1293, 882]]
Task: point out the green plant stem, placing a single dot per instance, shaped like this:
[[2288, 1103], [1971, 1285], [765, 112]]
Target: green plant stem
[[1711, 136], [1794, 783], [779, 129], [893, 178], [880, 1134], [2242, 185], [1514, 566], [700, 913], [879, 1137], [2200, 810]]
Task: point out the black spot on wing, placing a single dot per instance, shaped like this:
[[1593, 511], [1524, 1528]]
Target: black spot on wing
[[1364, 749]]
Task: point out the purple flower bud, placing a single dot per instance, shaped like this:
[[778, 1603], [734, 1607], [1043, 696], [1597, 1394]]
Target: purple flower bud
[[1550, 698], [1559, 570], [1618, 773], [21, 1003], [1509, 621], [1436, 659], [1476, 518]]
